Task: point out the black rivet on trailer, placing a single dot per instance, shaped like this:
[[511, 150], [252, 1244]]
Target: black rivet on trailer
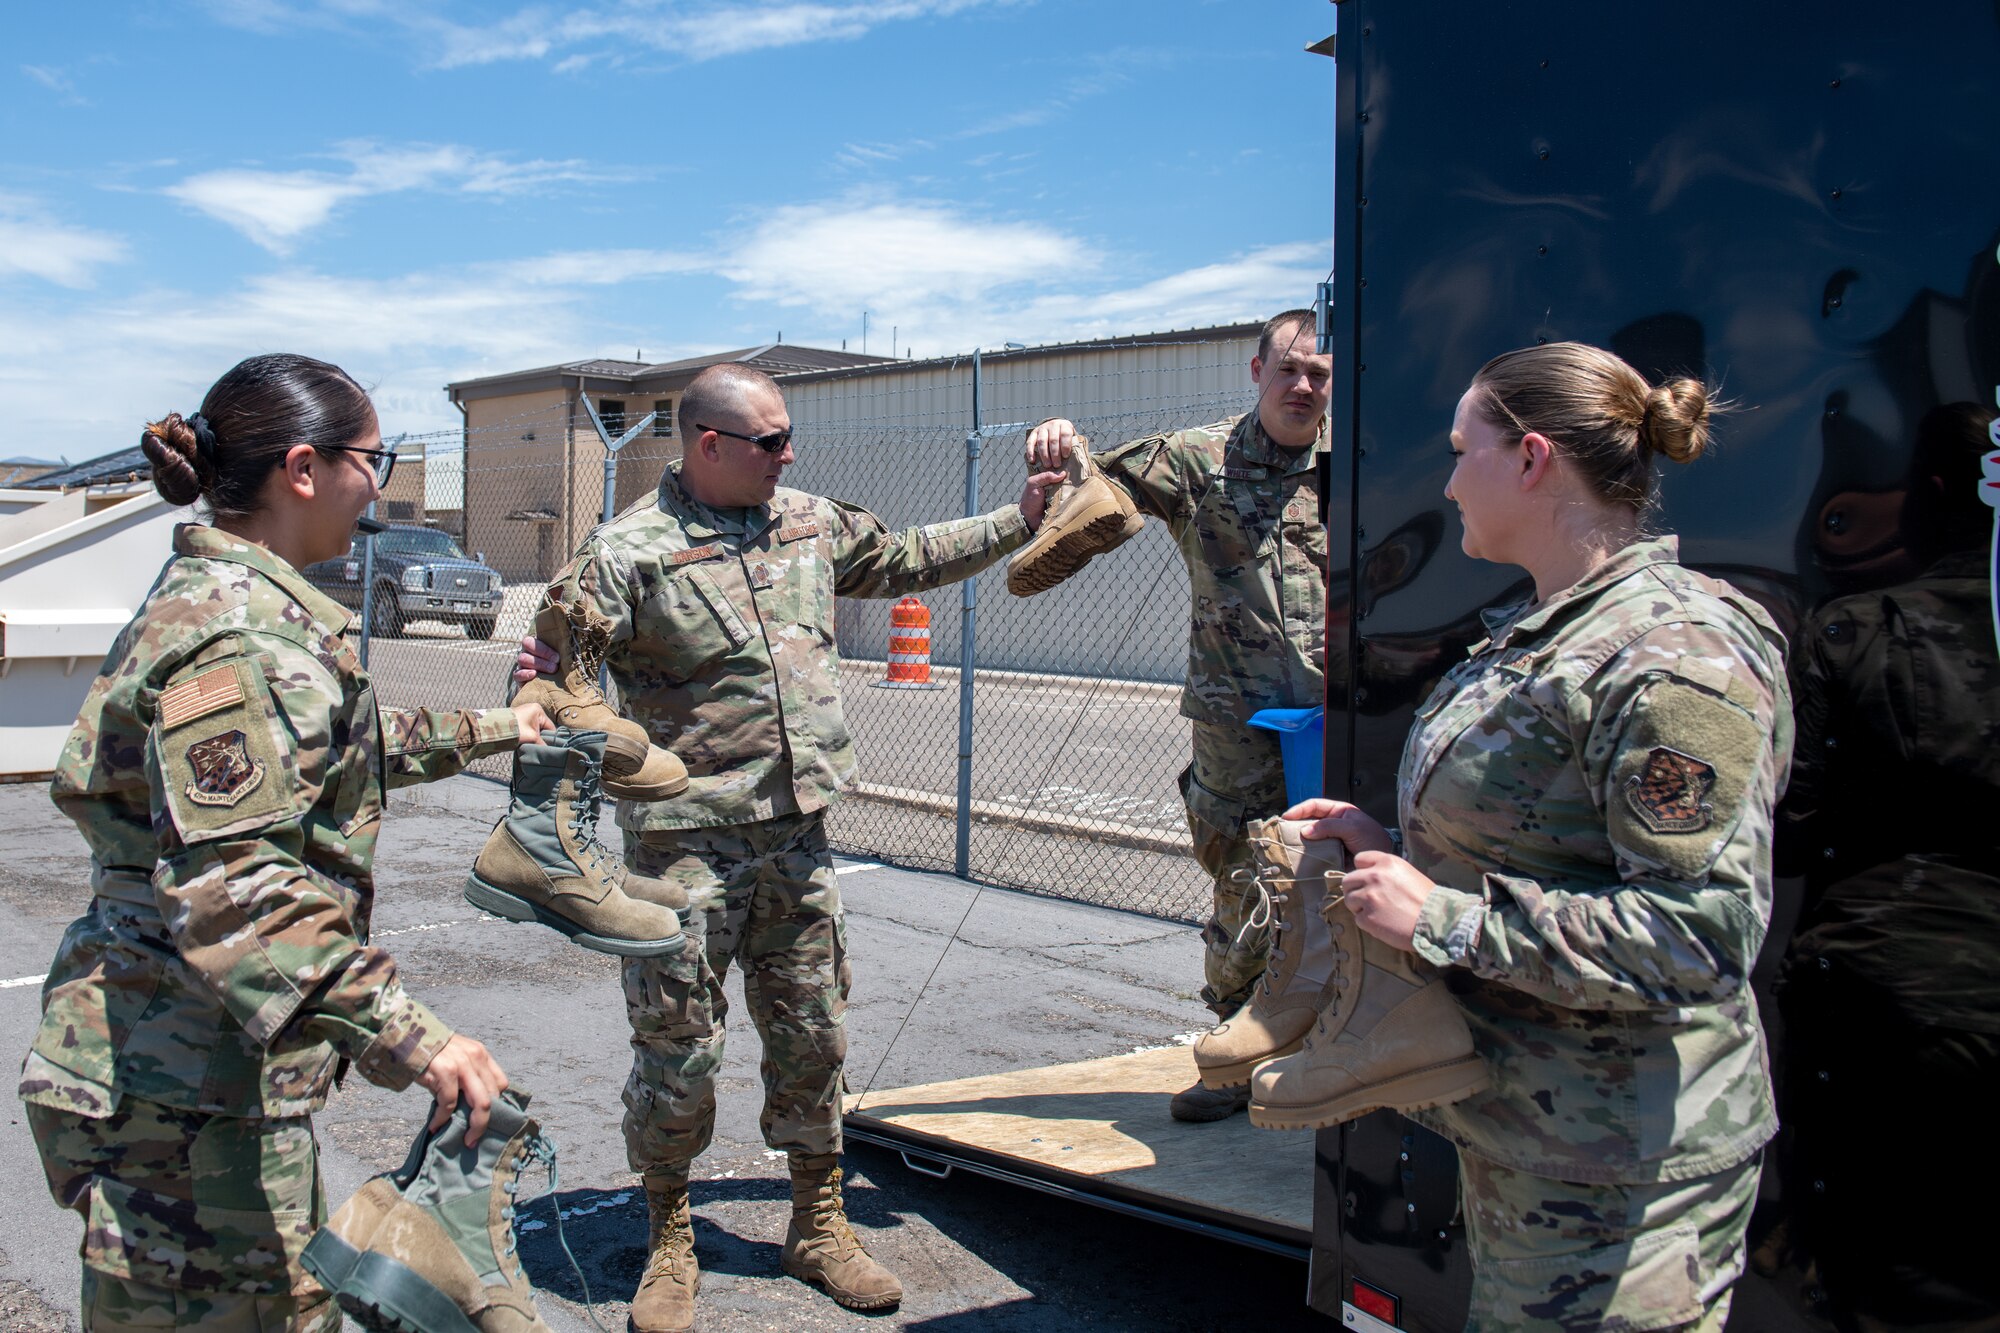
[[1361, 694], [1364, 367], [1836, 194], [1368, 32], [1364, 201], [1826, 852], [1541, 249], [1542, 153], [1364, 118], [1545, 65], [1835, 83], [1356, 781]]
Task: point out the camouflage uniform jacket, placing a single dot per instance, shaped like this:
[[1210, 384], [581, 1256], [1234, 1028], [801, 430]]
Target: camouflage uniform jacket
[[723, 644], [1592, 791], [227, 772], [1246, 514]]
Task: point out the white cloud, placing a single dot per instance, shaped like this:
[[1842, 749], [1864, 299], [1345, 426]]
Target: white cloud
[[33, 243], [888, 254], [57, 81], [276, 208], [707, 30]]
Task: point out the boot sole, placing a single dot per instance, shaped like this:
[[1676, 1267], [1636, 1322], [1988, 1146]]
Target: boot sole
[[625, 791], [379, 1293], [1070, 552], [838, 1296], [501, 903], [1440, 1085], [1224, 1077]]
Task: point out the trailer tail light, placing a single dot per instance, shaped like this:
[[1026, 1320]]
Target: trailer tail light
[[1369, 1309]]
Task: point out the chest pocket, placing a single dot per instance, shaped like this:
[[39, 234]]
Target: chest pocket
[[691, 622], [1238, 521], [1305, 535], [1473, 720], [802, 578]]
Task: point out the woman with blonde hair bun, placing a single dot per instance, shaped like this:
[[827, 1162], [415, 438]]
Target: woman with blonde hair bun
[[1585, 809], [228, 774]]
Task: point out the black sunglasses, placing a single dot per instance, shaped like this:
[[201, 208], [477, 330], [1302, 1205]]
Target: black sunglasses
[[380, 461], [773, 443]]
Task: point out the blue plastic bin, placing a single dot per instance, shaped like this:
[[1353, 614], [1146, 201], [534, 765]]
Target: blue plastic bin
[[1302, 742]]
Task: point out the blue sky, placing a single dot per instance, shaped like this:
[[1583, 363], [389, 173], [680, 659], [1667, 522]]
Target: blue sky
[[428, 191]]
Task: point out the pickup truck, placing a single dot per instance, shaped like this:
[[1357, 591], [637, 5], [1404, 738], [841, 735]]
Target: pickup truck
[[420, 574]]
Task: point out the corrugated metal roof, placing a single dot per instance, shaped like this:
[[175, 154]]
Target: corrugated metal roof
[[1212, 333], [776, 358], [125, 465]]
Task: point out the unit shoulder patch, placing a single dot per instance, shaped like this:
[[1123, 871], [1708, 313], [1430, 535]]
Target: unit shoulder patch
[[1670, 794], [224, 773]]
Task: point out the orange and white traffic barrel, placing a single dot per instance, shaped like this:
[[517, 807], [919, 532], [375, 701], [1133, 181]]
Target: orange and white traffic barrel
[[909, 647]]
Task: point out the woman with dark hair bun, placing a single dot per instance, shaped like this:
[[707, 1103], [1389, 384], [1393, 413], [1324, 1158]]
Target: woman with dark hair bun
[[1586, 819], [227, 772]]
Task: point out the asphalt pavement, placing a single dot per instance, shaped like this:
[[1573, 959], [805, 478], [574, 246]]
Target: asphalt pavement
[[1026, 981]]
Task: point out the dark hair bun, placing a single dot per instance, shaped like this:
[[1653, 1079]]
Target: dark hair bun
[[180, 473], [1676, 421]]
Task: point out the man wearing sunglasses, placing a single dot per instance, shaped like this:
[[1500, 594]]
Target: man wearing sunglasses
[[720, 600]]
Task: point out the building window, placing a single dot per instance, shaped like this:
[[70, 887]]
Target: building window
[[611, 411], [663, 423]]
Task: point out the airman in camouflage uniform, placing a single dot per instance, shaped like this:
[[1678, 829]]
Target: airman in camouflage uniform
[[1592, 793], [722, 625], [721, 619], [1247, 513], [227, 772]]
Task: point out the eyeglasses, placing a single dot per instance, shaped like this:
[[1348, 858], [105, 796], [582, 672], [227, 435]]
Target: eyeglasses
[[773, 443], [381, 462]]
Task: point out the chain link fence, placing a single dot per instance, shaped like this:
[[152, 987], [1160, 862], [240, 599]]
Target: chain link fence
[[1054, 768]]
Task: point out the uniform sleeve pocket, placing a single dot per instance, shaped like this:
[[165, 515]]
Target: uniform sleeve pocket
[[162, 1242], [226, 761]]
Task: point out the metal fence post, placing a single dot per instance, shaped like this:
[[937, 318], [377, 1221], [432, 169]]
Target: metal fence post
[[367, 587], [611, 448], [968, 613]]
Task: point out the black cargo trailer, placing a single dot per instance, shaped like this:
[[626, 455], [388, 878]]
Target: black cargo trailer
[[1802, 203]]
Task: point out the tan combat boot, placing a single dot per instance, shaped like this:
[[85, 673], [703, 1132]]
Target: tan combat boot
[[821, 1247], [429, 1248], [1085, 517], [1392, 1037], [635, 769], [664, 1302], [544, 861], [1309, 954]]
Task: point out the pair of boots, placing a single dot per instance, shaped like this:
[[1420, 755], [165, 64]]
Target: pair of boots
[[1084, 518], [429, 1248], [820, 1248], [1340, 1024], [546, 861]]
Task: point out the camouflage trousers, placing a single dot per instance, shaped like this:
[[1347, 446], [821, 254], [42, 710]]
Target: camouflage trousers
[[190, 1220], [1237, 775], [1564, 1254], [762, 895]]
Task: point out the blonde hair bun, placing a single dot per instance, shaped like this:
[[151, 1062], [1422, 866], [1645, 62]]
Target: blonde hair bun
[[1675, 424]]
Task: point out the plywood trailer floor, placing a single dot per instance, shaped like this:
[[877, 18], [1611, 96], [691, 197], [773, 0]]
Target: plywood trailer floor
[[1098, 1131]]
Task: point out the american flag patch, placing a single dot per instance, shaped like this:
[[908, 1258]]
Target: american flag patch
[[694, 553], [206, 693], [809, 528]]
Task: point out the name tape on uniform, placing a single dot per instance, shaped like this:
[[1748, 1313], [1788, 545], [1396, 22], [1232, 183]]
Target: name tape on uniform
[[809, 528], [694, 553]]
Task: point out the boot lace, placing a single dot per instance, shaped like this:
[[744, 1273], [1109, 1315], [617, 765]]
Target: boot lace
[[830, 1213], [542, 1148], [583, 821], [668, 1224]]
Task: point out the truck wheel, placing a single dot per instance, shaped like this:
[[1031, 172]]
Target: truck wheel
[[479, 629], [385, 618]]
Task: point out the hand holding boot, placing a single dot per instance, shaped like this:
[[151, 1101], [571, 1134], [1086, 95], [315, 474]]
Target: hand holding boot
[[1386, 895], [463, 1070]]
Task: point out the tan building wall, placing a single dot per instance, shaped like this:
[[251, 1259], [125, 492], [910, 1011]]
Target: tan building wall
[[521, 463]]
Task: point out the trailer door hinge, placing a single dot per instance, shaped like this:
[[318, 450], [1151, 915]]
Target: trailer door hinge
[[1323, 319]]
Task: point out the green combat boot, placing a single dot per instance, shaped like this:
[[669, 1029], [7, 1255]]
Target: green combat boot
[[544, 860], [635, 769], [429, 1248], [820, 1247], [664, 1302], [1084, 517]]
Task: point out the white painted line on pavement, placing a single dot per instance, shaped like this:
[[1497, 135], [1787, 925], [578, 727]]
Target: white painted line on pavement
[[864, 865], [24, 981]]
